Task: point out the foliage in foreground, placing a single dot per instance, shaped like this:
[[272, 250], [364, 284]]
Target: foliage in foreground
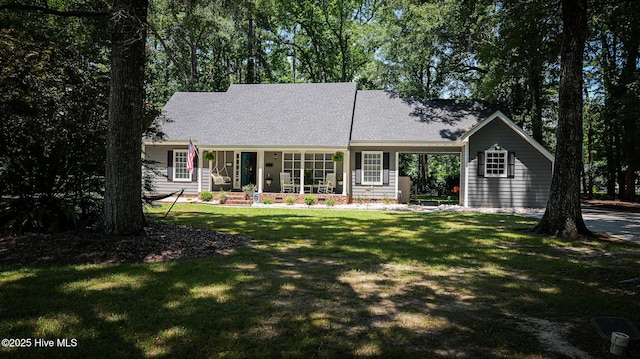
[[52, 162], [327, 284]]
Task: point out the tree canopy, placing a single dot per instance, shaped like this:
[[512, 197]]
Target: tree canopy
[[55, 60]]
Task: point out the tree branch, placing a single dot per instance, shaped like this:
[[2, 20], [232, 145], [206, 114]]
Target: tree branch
[[168, 50], [49, 11]]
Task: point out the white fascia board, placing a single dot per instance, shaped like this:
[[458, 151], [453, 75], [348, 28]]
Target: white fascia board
[[294, 149], [206, 147], [455, 144], [498, 114], [169, 143]]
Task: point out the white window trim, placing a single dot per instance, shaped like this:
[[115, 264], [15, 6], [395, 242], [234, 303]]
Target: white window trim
[[506, 164], [175, 178], [370, 183]]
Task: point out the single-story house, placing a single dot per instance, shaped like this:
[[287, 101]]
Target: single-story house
[[267, 133]]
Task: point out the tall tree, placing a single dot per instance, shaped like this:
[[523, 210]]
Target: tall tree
[[612, 87], [563, 215], [327, 37], [123, 169]]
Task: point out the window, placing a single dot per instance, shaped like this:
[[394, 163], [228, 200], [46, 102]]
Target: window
[[291, 165], [495, 163], [319, 164], [180, 172], [372, 168], [316, 164]]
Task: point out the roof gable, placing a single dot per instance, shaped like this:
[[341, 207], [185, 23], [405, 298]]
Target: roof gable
[[517, 129]]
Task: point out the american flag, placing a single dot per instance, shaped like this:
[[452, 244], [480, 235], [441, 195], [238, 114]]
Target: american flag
[[191, 156]]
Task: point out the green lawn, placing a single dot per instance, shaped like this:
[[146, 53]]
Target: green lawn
[[332, 284]]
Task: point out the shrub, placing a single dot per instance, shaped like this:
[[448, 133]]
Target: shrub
[[290, 200], [331, 202], [310, 200], [267, 201], [360, 199], [222, 196], [206, 196], [52, 136]]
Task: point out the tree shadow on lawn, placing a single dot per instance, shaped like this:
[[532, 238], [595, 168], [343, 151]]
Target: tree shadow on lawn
[[340, 285]]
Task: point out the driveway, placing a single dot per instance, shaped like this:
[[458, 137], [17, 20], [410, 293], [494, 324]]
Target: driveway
[[621, 224]]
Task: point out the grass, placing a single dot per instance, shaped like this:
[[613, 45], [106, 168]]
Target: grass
[[329, 284]]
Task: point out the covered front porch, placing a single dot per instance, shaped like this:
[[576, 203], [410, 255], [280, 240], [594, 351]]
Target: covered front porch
[[232, 169]]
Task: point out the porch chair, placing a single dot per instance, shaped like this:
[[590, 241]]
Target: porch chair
[[286, 185], [328, 184], [216, 174]]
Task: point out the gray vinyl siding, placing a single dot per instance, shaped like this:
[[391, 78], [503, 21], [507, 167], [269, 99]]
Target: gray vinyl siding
[[162, 185], [378, 192], [374, 192], [529, 187]]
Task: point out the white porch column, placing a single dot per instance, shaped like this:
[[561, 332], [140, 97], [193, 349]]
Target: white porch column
[[260, 171], [210, 170], [464, 170], [346, 177], [302, 173], [199, 173], [397, 173]]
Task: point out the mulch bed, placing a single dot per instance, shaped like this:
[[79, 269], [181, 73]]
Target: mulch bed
[[161, 242]]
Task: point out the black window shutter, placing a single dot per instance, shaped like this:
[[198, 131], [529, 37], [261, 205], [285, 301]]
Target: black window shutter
[[385, 168], [511, 165], [194, 178], [358, 167], [480, 164], [170, 165]]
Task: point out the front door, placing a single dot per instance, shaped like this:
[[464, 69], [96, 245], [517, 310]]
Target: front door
[[248, 168]]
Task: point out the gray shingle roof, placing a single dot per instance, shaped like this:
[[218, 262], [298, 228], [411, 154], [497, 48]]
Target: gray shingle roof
[[264, 115], [314, 115], [383, 116]]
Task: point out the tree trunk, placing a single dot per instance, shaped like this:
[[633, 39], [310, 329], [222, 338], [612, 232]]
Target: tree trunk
[[537, 127], [123, 173], [424, 170], [251, 76], [587, 177], [563, 215], [631, 105]]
